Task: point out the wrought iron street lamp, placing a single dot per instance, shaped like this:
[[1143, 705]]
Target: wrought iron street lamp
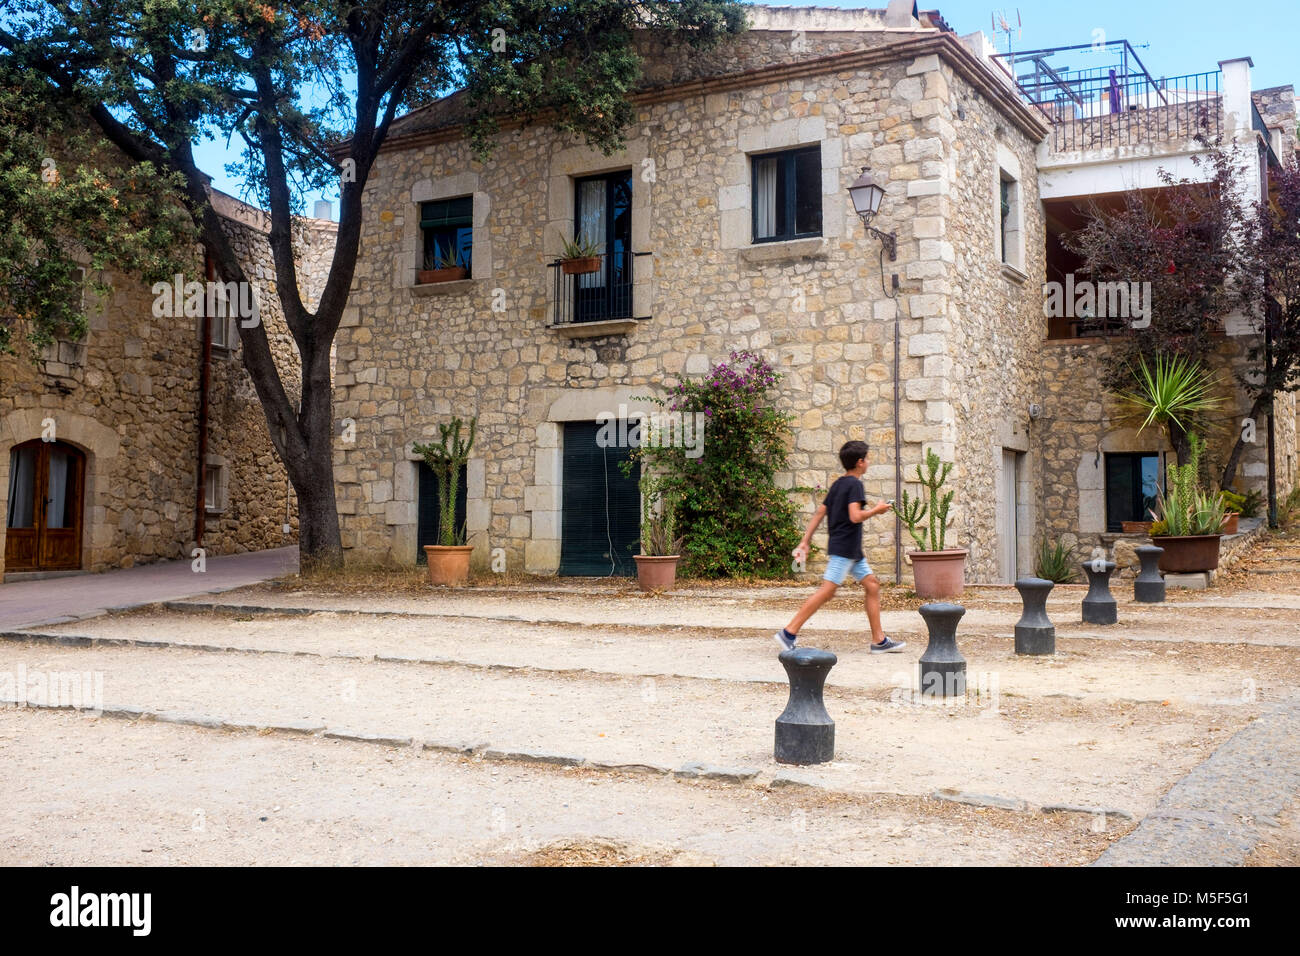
[[866, 194]]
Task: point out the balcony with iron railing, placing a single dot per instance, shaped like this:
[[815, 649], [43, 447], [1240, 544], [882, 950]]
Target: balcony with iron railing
[[1116, 102], [599, 300]]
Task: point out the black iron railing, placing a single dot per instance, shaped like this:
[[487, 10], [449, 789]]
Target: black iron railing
[[1102, 113], [603, 292]]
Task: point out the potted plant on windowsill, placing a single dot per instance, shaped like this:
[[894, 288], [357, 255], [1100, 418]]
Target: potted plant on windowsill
[[1190, 525], [580, 256], [442, 265], [656, 565], [449, 558], [939, 571]]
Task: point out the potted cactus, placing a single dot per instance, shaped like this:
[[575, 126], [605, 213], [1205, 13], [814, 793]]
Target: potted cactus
[[442, 264], [1190, 524], [656, 565], [449, 558], [580, 256], [939, 571]]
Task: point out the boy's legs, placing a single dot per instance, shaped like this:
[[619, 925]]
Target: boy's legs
[[824, 593], [871, 603]]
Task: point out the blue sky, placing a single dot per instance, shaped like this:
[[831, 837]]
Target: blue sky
[[1171, 38]]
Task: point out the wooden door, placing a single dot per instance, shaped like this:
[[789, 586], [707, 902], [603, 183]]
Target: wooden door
[[46, 497]]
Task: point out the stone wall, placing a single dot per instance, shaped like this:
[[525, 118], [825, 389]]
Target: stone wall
[[1081, 423], [409, 358], [128, 395], [1277, 107]]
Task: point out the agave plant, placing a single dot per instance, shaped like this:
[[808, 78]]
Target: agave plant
[[1055, 562]]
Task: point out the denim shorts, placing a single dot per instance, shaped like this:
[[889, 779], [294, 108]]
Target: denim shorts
[[837, 567]]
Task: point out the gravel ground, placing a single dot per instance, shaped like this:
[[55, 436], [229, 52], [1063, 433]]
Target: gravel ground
[[81, 791], [1125, 718]]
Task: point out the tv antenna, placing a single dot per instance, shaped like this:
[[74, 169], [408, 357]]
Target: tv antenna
[[1001, 23]]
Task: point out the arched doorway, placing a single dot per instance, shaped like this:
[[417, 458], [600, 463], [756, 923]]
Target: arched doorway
[[46, 491]]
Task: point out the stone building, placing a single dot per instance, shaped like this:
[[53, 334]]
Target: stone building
[[726, 224], [99, 443]]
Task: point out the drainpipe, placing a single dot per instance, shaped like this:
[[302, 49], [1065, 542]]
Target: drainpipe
[[898, 449], [205, 371]]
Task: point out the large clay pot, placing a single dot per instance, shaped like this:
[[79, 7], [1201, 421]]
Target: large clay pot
[[939, 574], [1188, 554], [656, 572], [448, 564], [1230, 522]]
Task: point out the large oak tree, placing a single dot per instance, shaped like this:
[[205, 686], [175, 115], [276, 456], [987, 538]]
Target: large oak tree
[[310, 91]]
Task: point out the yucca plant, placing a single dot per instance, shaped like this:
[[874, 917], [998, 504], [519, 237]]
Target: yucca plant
[[1173, 390]]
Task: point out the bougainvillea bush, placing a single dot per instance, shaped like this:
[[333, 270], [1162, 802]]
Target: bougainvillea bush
[[735, 520]]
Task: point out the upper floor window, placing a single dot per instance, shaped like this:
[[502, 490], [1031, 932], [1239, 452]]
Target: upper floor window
[[788, 194], [448, 228], [1010, 245]]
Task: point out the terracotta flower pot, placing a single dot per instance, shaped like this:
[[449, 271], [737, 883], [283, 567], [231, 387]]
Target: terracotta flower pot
[[1136, 527], [448, 564], [430, 276], [656, 572], [939, 574], [1230, 522], [1188, 554], [577, 267]]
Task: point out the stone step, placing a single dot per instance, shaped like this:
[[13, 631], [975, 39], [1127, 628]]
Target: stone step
[[663, 724], [1082, 669], [236, 799]]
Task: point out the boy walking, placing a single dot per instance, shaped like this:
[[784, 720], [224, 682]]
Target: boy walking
[[844, 508]]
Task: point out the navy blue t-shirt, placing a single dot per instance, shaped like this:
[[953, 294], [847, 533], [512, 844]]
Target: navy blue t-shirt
[[844, 536]]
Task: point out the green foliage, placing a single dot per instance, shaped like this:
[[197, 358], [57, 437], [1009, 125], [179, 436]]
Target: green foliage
[[1055, 562], [1171, 390], [580, 248], [69, 202], [734, 519], [914, 511], [658, 517], [444, 257], [1252, 504], [446, 458], [1184, 508]]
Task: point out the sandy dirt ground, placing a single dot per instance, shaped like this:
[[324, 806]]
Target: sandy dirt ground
[[599, 673]]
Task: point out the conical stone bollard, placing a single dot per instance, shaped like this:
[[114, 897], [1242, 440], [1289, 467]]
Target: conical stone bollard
[[1035, 634], [805, 733], [943, 669], [1149, 588], [1099, 605]]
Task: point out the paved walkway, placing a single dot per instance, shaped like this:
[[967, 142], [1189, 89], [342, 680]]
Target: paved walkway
[[27, 603]]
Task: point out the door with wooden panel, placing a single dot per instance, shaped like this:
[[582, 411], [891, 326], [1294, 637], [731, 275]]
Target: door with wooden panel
[[46, 497]]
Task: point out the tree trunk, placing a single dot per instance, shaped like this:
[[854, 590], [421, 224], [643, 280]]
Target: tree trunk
[[1239, 448], [319, 542]]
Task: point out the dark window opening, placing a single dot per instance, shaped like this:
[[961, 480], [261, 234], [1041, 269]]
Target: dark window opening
[[1132, 488], [602, 214], [429, 521], [787, 195], [448, 228]]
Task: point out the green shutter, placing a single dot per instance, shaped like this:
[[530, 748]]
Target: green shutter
[[600, 506], [427, 521], [447, 212]]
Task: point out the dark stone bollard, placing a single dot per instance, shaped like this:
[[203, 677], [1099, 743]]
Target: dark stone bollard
[[1035, 634], [943, 669], [1099, 605], [1149, 588], [805, 733]]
